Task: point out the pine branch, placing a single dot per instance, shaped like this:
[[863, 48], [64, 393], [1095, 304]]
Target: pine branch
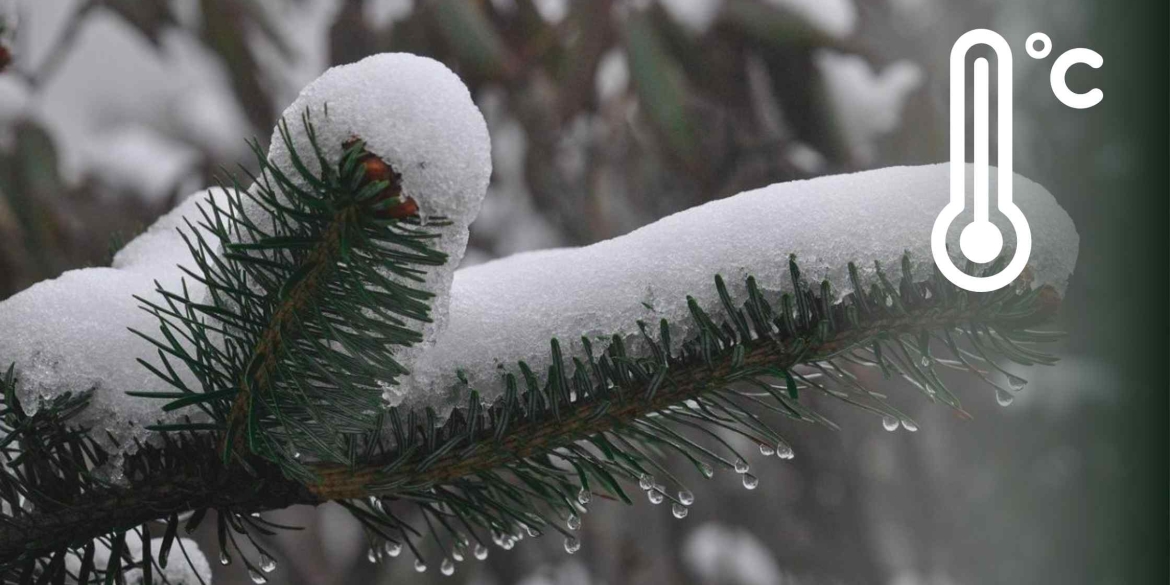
[[310, 304]]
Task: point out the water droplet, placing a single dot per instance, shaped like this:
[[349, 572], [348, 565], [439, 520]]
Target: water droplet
[[686, 497], [255, 514], [741, 466], [256, 576], [447, 568], [457, 554], [680, 511], [706, 470], [420, 566], [784, 451], [645, 481], [909, 425], [481, 552], [766, 450], [297, 455], [531, 531], [584, 497], [890, 423], [224, 558], [1016, 383], [508, 544], [926, 361], [750, 481], [392, 549], [267, 563], [654, 496], [572, 545], [372, 555], [1003, 397], [574, 522]]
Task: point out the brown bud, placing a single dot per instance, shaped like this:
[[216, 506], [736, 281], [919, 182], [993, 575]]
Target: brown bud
[[376, 169]]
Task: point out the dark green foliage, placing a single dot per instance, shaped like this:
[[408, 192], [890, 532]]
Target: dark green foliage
[[310, 303]]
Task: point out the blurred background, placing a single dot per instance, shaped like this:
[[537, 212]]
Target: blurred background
[[606, 115]]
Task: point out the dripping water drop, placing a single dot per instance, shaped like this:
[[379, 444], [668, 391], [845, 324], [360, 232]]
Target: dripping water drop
[[420, 566], [572, 545], [481, 552], [267, 563], [680, 511], [256, 576], [686, 497], [447, 568], [890, 423], [392, 549], [1003, 397], [1016, 383], [766, 450], [909, 425], [584, 497], [574, 522], [741, 466], [750, 481]]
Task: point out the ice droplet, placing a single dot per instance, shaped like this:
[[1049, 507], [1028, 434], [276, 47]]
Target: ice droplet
[[741, 466], [784, 451], [256, 576], [766, 450], [481, 552], [706, 470], [572, 545], [574, 522], [392, 549], [267, 563], [1016, 383], [680, 511], [909, 425], [584, 497], [645, 481], [420, 566], [447, 568], [686, 497], [224, 558], [1003, 397], [890, 423], [654, 496], [750, 481]]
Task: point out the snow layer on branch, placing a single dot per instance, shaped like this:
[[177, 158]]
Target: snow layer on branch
[[418, 117], [508, 310], [71, 333]]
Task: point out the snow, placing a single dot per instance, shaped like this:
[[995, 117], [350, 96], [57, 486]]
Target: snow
[[70, 334], [726, 555], [696, 15], [836, 18], [508, 310], [178, 571], [868, 104], [416, 115]]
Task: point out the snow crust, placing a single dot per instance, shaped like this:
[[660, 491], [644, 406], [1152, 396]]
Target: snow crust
[[508, 310], [71, 333], [418, 117]]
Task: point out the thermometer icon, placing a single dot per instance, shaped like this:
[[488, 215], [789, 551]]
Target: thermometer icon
[[981, 241]]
